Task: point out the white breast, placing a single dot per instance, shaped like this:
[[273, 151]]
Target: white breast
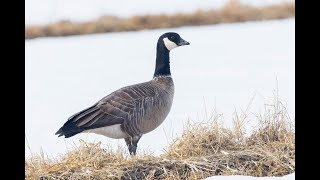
[[113, 131]]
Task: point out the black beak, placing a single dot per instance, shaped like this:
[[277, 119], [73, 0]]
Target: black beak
[[183, 42]]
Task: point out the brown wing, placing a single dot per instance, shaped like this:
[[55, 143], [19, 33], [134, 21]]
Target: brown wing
[[112, 109]]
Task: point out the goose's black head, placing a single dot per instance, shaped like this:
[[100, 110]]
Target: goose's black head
[[172, 40], [166, 43]]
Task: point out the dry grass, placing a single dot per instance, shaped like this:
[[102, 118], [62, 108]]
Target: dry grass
[[233, 11], [204, 149]]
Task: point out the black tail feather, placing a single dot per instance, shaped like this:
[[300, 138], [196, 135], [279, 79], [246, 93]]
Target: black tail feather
[[70, 128], [59, 132], [68, 132]]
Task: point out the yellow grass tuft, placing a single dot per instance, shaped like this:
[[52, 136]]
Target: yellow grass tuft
[[233, 11]]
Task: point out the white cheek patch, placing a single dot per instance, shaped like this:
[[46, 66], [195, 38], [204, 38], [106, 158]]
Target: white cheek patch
[[169, 44]]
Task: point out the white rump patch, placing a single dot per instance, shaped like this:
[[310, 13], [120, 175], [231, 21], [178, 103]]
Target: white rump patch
[[169, 44], [113, 131]]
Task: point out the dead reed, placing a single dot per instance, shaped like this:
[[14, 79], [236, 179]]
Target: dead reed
[[232, 12]]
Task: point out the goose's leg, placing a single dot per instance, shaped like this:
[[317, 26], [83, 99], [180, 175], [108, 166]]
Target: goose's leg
[[129, 143], [135, 140]]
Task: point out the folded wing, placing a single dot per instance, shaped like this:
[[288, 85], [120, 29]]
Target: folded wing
[[112, 109]]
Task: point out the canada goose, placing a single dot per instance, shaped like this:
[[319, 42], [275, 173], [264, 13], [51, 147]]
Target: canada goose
[[133, 110]]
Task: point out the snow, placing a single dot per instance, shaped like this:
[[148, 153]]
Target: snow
[[48, 11], [223, 68], [286, 177]]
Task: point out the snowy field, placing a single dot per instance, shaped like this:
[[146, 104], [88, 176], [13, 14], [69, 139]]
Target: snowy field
[[287, 177], [48, 11], [223, 68]]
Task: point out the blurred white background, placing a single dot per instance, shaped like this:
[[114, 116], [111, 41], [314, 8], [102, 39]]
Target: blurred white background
[[223, 68]]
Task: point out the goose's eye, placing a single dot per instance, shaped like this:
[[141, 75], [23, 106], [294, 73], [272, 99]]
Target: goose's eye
[[172, 38]]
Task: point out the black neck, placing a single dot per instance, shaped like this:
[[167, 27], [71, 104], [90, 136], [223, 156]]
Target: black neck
[[162, 61]]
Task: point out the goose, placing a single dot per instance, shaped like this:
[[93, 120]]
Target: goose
[[134, 110]]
